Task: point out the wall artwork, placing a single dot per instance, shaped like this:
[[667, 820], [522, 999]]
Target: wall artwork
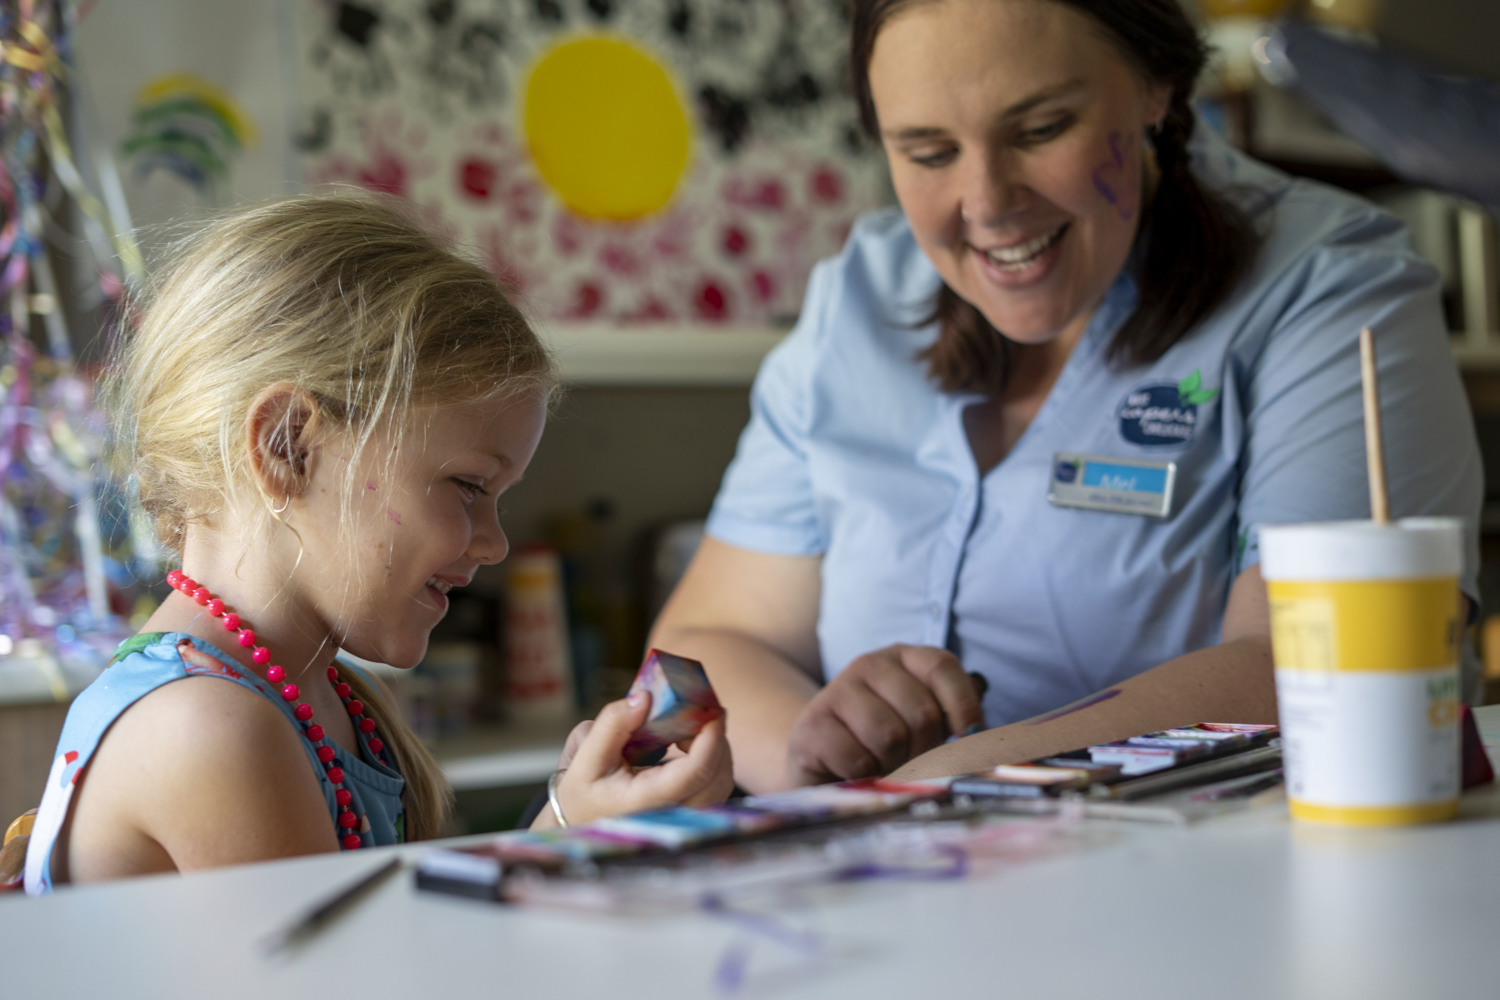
[[655, 161], [185, 108]]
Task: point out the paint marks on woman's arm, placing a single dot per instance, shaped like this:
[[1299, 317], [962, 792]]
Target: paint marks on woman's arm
[[1077, 706]]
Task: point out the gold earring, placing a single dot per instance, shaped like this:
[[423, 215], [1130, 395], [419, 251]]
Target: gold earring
[[278, 511]]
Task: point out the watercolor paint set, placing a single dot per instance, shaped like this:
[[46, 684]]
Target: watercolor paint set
[[681, 828], [1107, 779], [1134, 768]]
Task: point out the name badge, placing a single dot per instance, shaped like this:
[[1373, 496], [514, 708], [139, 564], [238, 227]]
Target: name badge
[[1117, 485]]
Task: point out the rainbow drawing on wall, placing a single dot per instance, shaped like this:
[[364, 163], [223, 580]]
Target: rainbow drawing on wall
[[649, 161], [188, 127]]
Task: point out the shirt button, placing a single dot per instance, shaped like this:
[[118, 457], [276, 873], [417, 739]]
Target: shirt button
[[935, 611]]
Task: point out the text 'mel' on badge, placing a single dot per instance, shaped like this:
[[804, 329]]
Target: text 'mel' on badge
[[1116, 485]]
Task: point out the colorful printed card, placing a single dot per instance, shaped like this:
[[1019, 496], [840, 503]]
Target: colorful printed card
[[682, 703]]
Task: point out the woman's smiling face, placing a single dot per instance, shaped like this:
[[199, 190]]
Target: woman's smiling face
[[1015, 135]]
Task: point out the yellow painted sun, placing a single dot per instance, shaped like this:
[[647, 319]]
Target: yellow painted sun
[[606, 128]]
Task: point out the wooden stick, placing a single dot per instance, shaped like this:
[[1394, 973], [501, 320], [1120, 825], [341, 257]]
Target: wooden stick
[[1374, 454]]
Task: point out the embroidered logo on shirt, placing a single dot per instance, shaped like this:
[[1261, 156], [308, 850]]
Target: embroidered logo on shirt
[[1164, 413]]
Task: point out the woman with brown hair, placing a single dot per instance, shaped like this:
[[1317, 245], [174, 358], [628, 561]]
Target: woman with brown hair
[[1028, 425]]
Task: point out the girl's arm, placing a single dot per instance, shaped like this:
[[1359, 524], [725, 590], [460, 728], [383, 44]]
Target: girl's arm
[[1231, 682]]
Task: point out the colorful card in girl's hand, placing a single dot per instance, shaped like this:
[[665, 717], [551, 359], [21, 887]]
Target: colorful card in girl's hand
[[682, 703]]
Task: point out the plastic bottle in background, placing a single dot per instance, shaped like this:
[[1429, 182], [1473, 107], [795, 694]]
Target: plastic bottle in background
[[538, 668], [580, 539]]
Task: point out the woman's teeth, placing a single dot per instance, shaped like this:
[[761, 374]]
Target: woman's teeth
[[441, 586], [1023, 255]]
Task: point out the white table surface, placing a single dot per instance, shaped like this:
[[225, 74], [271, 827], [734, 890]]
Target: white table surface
[[1244, 906]]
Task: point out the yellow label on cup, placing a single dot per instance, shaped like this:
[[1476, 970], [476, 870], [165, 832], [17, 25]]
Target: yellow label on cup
[[1367, 680], [1364, 624]]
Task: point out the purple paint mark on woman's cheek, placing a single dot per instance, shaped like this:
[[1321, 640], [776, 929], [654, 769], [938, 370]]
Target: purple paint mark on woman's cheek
[[1113, 181], [369, 486], [1077, 706], [395, 517]]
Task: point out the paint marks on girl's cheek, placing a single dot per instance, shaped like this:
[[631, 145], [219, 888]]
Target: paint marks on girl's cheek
[[394, 517], [370, 486], [1077, 706], [1114, 181]]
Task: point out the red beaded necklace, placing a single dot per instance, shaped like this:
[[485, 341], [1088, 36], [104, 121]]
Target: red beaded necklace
[[276, 674]]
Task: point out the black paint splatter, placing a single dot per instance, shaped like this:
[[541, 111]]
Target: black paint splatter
[[854, 138], [357, 23], [726, 116], [680, 20], [550, 11], [315, 135], [480, 38], [789, 82], [729, 28], [602, 10]]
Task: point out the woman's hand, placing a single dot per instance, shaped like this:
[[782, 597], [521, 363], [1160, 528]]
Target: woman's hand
[[600, 783], [882, 710]]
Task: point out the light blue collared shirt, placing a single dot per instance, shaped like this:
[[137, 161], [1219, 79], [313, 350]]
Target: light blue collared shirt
[[853, 455]]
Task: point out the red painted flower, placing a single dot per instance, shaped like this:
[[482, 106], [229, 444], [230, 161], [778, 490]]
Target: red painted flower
[[735, 241], [477, 177], [712, 303], [587, 300], [386, 174], [764, 285], [827, 185]]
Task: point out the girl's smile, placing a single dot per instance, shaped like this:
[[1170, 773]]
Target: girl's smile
[[428, 525]]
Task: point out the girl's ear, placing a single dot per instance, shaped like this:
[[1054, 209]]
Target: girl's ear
[[279, 429]]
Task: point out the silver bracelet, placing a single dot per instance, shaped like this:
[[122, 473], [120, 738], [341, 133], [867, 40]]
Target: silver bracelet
[[552, 797]]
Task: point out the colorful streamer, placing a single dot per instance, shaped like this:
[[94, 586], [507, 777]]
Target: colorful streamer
[[55, 559]]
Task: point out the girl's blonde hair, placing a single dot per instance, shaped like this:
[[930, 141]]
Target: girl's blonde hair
[[345, 298]]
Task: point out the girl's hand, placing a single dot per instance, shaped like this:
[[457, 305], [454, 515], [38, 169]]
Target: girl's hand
[[600, 783]]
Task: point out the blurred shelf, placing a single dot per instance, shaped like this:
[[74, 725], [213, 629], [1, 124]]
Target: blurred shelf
[[1358, 176], [1489, 519], [518, 752], [608, 354], [30, 675], [1476, 356]]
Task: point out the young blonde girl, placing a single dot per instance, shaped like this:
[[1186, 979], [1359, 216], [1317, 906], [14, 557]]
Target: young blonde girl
[[320, 406]]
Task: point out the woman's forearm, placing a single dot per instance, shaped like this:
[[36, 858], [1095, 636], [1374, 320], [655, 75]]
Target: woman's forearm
[[1231, 682], [751, 619]]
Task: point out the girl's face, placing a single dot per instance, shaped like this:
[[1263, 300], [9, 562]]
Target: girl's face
[[425, 519], [1015, 135]]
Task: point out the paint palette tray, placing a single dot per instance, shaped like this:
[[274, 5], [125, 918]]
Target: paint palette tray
[[795, 831]]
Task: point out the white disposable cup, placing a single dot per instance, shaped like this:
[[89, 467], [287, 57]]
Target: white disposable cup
[[1365, 627]]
